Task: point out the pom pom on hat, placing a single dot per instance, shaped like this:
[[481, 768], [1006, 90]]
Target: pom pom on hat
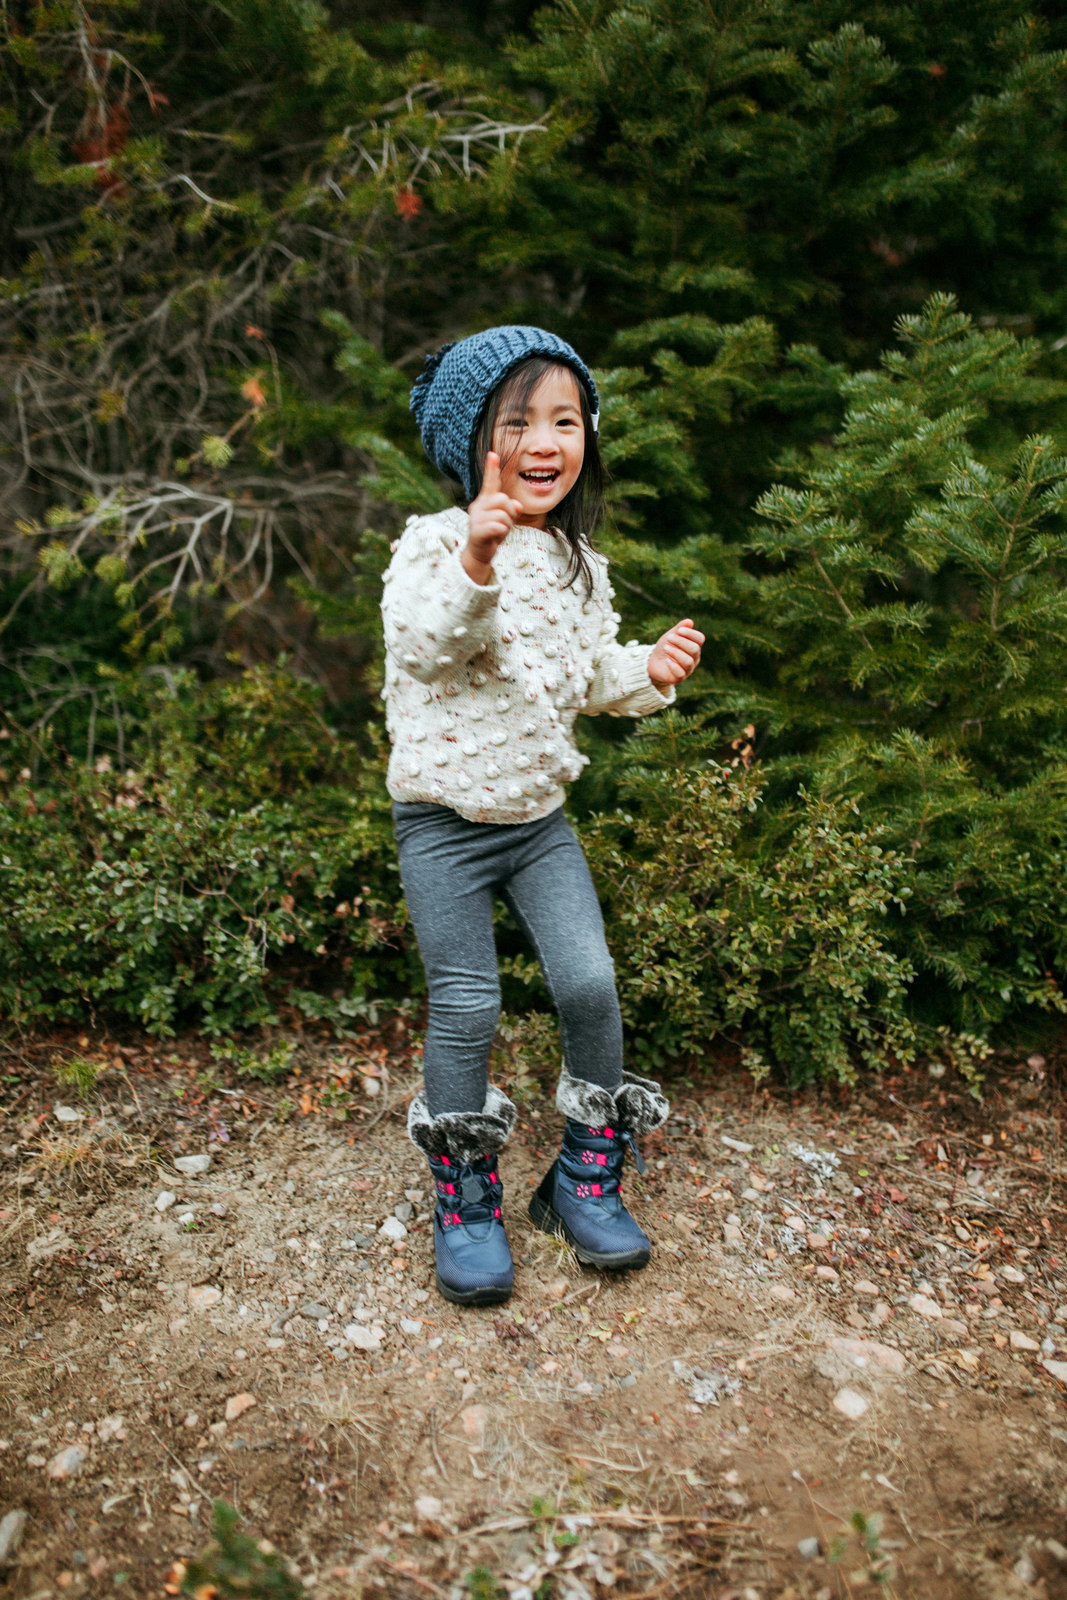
[[449, 397]]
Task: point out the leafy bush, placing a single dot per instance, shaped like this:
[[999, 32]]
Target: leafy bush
[[244, 838], [777, 940]]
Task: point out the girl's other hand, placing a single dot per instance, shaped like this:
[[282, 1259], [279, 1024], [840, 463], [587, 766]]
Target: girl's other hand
[[492, 516], [676, 655]]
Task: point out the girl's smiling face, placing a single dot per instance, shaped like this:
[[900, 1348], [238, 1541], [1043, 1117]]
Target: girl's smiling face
[[541, 450]]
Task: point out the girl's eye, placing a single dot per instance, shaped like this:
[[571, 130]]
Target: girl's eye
[[514, 422]]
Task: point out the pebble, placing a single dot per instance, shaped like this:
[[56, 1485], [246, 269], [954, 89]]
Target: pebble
[[1056, 1369], [164, 1200], [731, 1233], [65, 1463], [192, 1165], [1025, 1570], [1020, 1341], [782, 1292], [12, 1527], [829, 1273], [412, 1194], [203, 1296], [628, 1382], [850, 1404], [68, 1114], [868, 1353], [404, 1211], [797, 1224], [1011, 1274], [237, 1405], [818, 1241], [275, 1344], [881, 1313], [364, 1338], [410, 1325], [314, 1312], [1055, 1549], [808, 1548], [474, 1419], [428, 1508], [393, 1228], [109, 1428], [924, 1306]]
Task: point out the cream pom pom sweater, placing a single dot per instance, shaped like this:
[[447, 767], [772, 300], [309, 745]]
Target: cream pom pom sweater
[[483, 684]]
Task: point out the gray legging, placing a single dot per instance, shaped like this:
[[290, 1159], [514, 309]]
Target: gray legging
[[451, 869]]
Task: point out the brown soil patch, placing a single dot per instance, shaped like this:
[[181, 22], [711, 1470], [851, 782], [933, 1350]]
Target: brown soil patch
[[670, 1432]]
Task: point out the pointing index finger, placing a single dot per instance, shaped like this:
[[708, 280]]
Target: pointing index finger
[[491, 474]]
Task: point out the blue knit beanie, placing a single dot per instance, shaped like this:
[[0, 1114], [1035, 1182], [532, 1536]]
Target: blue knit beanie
[[449, 398]]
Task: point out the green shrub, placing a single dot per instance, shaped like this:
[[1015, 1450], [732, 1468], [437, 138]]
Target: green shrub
[[722, 927], [237, 1566], [244, 848]]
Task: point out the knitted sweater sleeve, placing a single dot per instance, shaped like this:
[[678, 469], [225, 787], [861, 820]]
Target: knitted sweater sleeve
[[621, 685], [435, 617]]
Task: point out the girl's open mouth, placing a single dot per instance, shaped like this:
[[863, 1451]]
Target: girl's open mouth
[[540, 479]]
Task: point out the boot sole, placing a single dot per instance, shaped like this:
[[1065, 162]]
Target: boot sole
[[472, 1297], [549, 1221]]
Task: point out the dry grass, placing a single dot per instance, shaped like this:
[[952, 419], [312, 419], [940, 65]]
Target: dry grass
[[97, 1159]]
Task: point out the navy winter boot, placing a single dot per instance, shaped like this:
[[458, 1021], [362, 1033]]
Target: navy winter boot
[[579, 1196], [474, 1266]]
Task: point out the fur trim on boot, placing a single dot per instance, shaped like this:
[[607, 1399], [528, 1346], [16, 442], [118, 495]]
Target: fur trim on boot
[[463, 1135], [636, 1106]]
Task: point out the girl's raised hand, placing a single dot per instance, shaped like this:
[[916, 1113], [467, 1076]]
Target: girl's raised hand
[[492, 516], [676, 655]]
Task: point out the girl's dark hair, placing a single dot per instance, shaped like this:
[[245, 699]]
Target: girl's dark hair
[[581, 509]]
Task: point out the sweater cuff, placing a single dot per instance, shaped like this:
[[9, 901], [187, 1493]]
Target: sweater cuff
[[635, 685], [459, 592]]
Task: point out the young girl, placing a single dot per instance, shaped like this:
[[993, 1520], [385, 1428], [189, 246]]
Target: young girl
[[499, 629]]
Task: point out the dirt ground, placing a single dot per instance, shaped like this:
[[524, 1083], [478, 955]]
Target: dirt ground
[[845, 1368]]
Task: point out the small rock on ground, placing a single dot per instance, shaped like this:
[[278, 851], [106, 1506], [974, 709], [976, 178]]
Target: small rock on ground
[[364, 1338], [203, 1296], [65, 1463], [850, 1404], [191, 1165], [12, 1527]]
